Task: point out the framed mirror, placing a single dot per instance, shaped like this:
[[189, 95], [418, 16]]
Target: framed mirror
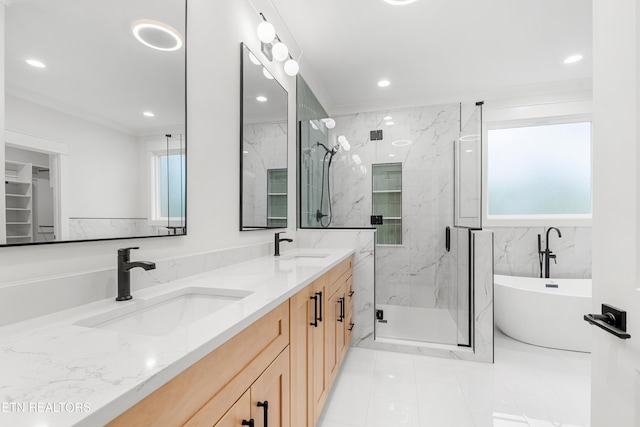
[[263, 147], [95, 112]]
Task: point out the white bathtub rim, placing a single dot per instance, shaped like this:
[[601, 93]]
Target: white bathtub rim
[[578, 288]]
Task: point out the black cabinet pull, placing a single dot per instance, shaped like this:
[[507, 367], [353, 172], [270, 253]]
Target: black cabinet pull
[[351, 293], [315, 311], [351, 325], [249, 423], [265, 405], [319, 294], [341, 302]]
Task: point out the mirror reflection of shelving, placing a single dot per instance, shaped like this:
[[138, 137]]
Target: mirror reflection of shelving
[[277, 198], [18, 202]]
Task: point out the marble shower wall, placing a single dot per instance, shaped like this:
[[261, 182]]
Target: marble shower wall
[[516, 251], [418, 272], [265, 147]]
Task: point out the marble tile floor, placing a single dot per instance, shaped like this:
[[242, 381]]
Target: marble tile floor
[[527, 386]]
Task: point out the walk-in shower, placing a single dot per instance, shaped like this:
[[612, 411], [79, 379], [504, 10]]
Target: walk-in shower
[[414, 175]]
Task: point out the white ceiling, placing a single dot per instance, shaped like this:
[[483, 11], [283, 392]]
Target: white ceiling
[[96, 69], [438, 50]]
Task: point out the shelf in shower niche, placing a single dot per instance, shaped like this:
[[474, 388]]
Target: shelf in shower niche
[[386, 191]]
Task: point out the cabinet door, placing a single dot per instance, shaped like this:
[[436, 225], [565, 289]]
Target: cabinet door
[[320, 387], [301, 354], [334, 333], [270, 394], [238, 413]]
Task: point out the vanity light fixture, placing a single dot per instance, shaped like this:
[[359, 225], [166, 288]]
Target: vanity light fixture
[[329, 123], [156, 35], [344, 143], [274, 48], [261, 98], [148, 114], [280, 51], [253, 59], [35, 63], [267, 74], [572, 59], [384, 83]]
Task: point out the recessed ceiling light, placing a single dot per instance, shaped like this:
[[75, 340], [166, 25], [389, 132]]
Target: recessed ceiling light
[[392, 155], [35, 63], [572, 59], [384, 83], [261, 98], [389, 123], [148, 114], [387, 118], [156, 35], [399, 2]]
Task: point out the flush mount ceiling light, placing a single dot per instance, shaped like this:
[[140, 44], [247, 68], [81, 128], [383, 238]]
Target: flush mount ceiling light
[[384, 83], [572, 59], [399, 2], [156, 35], [35, 63], [261, 98], [402, 142], [148, 114]]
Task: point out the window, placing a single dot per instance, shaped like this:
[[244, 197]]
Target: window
[[169, 184], [387, 202], [539, 171]]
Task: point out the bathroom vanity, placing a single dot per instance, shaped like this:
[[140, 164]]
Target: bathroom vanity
[[273, 349]]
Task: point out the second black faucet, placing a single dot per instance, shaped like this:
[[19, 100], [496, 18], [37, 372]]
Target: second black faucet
[[276, 243], [124, 265]]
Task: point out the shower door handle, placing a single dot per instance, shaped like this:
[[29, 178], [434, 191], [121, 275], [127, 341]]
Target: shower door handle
[[447, 238]]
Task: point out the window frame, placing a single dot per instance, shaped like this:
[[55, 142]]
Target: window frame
[[576, 220]]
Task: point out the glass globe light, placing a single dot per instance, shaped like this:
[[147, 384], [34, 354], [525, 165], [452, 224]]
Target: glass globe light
[[266, 32], [291, 67]]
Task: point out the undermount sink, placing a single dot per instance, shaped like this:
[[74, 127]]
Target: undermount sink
[[310, 255], [166, 313]]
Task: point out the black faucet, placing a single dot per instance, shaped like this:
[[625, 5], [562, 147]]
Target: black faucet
[[547, 254], [276, 242], [124, 265]]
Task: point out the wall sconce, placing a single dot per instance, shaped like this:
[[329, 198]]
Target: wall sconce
[[274, 48]]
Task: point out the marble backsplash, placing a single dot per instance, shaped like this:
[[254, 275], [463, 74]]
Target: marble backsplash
[[516, 251]]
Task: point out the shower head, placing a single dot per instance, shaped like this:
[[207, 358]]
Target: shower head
[[332, 151]]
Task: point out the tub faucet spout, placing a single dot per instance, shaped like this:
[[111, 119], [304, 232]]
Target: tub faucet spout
[[548, 254]]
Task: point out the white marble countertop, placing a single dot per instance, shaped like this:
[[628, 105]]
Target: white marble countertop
[[54, 373]]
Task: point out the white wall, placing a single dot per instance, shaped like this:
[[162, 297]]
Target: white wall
[[215, 30], [3, 219], [103, 163]]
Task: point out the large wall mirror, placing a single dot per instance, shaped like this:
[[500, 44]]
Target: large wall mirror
[[95, 112], [263, 147]]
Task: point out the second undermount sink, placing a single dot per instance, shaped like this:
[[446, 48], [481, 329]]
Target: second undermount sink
[[166, 313]]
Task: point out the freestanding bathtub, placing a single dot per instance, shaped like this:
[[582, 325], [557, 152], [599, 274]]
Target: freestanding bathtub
[[544, 312]]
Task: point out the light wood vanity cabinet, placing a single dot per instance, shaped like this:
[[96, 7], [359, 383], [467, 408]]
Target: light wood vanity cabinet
[[318, 342], [288, 358]]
